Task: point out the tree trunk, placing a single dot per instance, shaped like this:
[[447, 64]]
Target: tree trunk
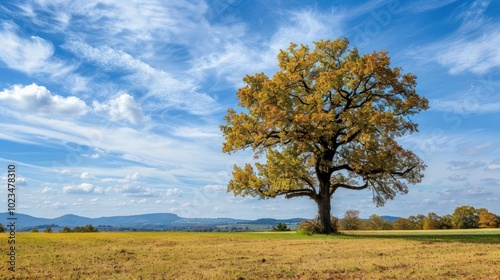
[[324, 208]]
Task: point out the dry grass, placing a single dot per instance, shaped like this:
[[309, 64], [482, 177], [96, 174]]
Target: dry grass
[[253, 256]]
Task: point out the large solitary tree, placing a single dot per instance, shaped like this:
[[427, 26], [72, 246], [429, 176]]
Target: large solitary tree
[[328, 119]]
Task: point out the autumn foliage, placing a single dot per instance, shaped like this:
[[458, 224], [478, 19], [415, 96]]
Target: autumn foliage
[[328, 119]]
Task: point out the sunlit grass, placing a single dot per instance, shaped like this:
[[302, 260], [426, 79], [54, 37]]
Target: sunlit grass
[[254, 256]]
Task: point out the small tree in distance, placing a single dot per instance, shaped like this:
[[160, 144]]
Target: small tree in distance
[[403, 224], [351, 220], [327, 120], [281, 227]]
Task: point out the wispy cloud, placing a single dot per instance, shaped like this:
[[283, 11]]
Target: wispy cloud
[[28, 54], [227, 57], [464, 55], [460, 165], [421, 6], [163, 89], [35, 56]]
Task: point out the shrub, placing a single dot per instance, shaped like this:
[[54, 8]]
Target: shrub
[[314, 226]]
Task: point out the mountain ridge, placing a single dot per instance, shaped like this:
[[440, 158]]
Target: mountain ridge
[[159, 221], [152, 220]]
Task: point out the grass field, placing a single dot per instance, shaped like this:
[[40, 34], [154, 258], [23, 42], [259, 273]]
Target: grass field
[[470, 254]]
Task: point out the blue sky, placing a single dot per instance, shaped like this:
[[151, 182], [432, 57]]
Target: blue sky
[[113, 107]]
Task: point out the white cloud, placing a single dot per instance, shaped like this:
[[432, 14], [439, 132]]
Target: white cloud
[[83, 188], [122, 107], [494, 165], [136, 191], [48, 190], [86, 176], [213, 188], [459, 165], [457, 177], [128, 178], [58, 205], [38, 99], [172, 192]]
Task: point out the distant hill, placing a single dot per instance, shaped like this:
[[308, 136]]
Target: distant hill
[[144, 221], [390, 218], [26, 222]]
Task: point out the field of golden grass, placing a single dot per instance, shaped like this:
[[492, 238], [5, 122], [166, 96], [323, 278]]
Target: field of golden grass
[[365, 255]]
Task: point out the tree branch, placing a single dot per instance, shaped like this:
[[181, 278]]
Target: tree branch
[[297, 193], [345, 186]]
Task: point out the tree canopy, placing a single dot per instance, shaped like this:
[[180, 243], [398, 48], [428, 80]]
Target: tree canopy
[[328, 119]]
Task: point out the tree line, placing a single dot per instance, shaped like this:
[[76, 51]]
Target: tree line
[[462, 218]]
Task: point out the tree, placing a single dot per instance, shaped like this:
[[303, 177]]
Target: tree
[[487, 220], [2, 228], [47, 230], [418, 221], [431, 221], [403, 224], [34, 230], [327, 120], [281, 227], [445, 222], [66, 230], [465, 217], [378, 223], [351, 220]]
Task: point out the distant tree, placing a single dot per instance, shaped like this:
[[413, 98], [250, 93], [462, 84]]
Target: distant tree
[[351, 220], [487, 220], [2, 228], [403, 224], [66, 230], [281, 227], [365, 225], [335, 224], [34, 230], [465, 217], [329, 119], [378, 223], [431, 221], [48, 230], [445, 222], [418, 221]]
